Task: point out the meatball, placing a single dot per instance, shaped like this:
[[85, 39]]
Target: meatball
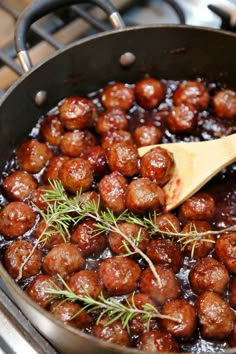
[[112, 189], [17, 253], [39, 196], [182, 119], [192, 94], [63, 259], [86, 237], [112, 118], [166, 222], [118, 95], [111, 332], [224, 103], [201, 206], [136, 233], [119, 275], [232, 294], [115, 136], [208, 274], [225, 251], [86, 282], [184, 319], [73, 143], [149, 92], [160, 287], [157, 342], [77, 113], [51, 129], [16, 218], [32, 156], [76, 175], [19, 185], [123, 157], [97, 158], [215, 316], [88, 197], [52, 170], [144, 195], [147, 135], [47, 241]]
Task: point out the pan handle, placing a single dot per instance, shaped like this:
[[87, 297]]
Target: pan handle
[[40, 8]]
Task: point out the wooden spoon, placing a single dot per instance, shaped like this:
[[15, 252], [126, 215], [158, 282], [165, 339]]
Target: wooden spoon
[[196, 163]]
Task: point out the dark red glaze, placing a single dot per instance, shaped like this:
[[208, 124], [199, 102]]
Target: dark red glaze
[[97, 158], [52, 170]]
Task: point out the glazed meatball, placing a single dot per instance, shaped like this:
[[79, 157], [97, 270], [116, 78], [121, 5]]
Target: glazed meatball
[[184, 320], [52, 170], [144, 195], [16, 254], [111, 332], [136, 233], [225, 251], [115, 136], [73, 143], [160, 287], [201, 206], [147, 135], [123, 157], [48, 242], [166, 222], [118, 95], [224, 103], [32, 156], [157, 342], [86, 282], [112, 189], [112, 118], [63, 259], [149, 92], [16, 218], [208, 274], [192, 94], [182, 119], [19, 185], [40, 195], [77, 113], [215, 316], [88, 197], [87, 239], [165, 252], [51, 129], [119, 275], [232, 293], [97, 158], [76, 175], [158, 165]]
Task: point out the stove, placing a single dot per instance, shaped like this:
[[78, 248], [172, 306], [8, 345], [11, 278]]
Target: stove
[[53, 32]]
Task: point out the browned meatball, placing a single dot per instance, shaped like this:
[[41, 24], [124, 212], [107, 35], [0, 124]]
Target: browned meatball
[[225, 251], [112, 333], [165, 252], [19, 185], [71, 314], [90, 196], [15, 219], [232, 294], [32, 156], [149, 92], [166, 222], [86, 238], [182, 119], [77, 113], [215, 316], [157, 342], [208, 274], [76, 175], [112, 190], [118, 95], [63, 259], [115, 136], [38, 196], [144, 195], [73, 143], [136, 233], [192, 94], [47, 242], [112, 118], [37, 289], [201, 206], [86, 282], [147, 135], [158, 165], [162, 287], [123, 157], [224, 103], [184, 320], [51, 129], [97, 158], [17, 253], [52, 170], [119, 275]]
